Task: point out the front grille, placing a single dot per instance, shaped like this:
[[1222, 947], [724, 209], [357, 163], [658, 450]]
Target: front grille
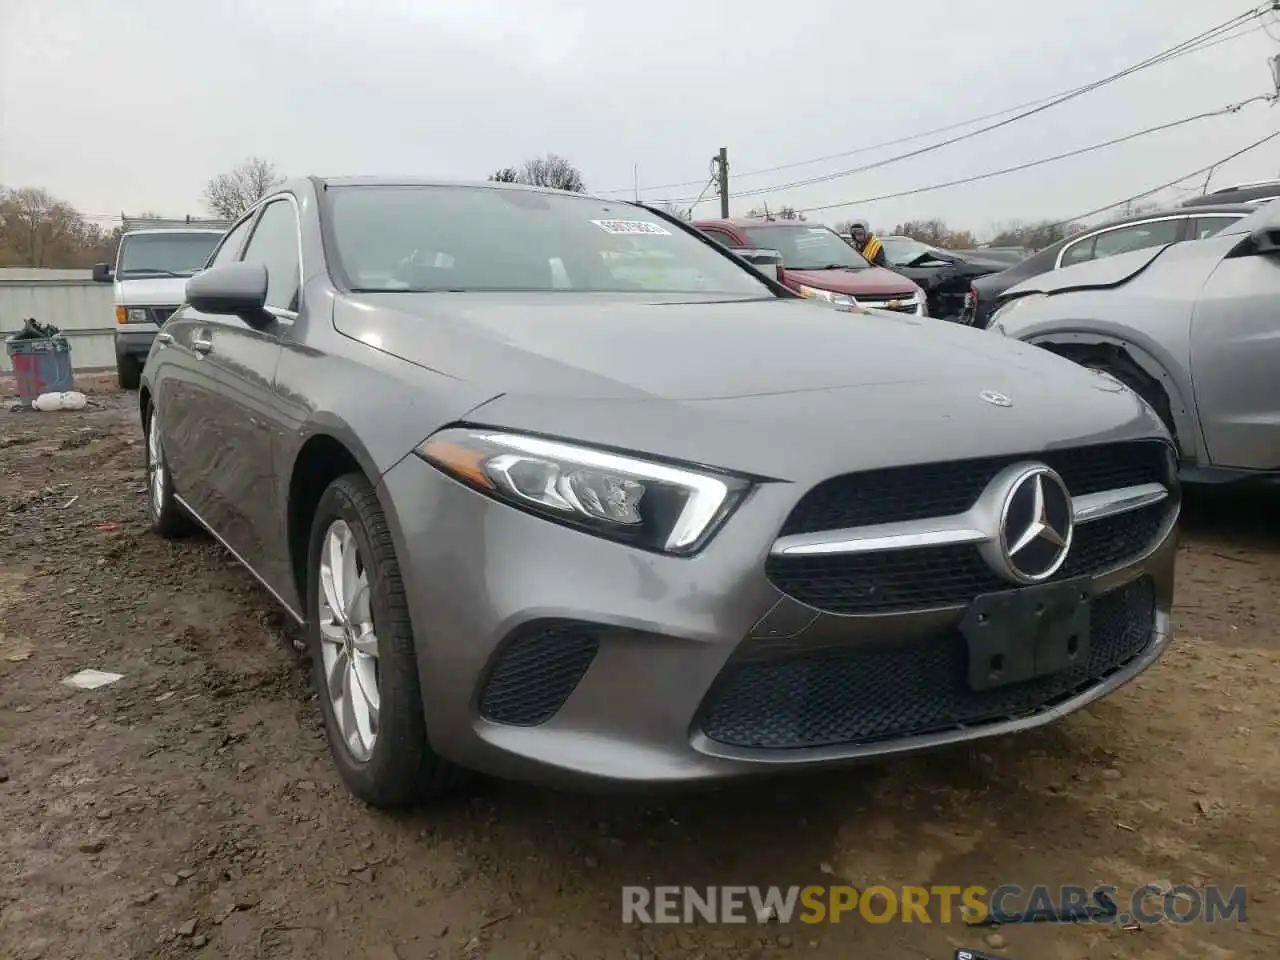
[[536, 672], [929, 577], [160, 314], [900, 305], [940, 489], [888, 690]]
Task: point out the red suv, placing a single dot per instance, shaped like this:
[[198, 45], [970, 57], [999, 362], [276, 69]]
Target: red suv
[[816, 262]]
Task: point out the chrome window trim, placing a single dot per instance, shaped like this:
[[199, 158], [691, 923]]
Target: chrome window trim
[[1057, 263]]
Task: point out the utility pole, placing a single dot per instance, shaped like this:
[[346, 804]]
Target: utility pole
[[721, 162]]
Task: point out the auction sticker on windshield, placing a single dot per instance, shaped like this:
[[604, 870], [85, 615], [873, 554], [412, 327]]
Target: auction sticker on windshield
[[631, 227]]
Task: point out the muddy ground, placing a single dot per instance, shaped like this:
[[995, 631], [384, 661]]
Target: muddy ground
[[190, 808]]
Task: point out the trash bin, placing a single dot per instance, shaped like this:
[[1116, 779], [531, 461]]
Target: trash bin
[[40, 365]]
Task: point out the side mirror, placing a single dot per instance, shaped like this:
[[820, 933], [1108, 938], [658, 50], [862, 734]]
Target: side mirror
[[768, 262], [236, 289], [102, 273]]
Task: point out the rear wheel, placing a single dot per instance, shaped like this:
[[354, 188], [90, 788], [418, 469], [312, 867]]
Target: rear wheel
[[128, 372], [366, 671]]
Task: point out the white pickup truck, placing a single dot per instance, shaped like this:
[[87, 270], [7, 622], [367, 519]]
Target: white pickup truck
[[150, 276]]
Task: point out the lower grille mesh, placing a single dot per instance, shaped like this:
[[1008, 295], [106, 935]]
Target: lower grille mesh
[[536, 673], [883, 691]]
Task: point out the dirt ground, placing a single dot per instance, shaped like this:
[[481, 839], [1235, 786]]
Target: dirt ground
[[190, 808]]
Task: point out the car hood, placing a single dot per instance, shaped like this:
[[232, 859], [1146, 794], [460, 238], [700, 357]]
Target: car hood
[[745, 384], [1107, 272], [151, 291], [807, 436], [959, 270], [870, 281]]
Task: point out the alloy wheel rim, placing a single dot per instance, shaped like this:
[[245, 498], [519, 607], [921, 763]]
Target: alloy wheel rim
[[348, 643], [155, 465]]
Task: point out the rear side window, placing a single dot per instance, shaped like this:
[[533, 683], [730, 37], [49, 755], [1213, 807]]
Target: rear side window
[[275, 244], [1137, 237], [1109, 243], [1078, 252], [723, 239], [1208, 226]]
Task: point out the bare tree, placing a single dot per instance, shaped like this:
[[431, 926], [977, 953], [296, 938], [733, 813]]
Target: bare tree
[[677, 211], [230, 194], [936, 233], [782, 213], [1032, 236], [39, 230], [551, 170]]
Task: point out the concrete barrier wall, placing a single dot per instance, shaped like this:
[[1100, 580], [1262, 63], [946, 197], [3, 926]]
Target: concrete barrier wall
[[70, 300]]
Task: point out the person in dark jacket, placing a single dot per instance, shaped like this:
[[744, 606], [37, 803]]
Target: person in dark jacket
[[867, 243]]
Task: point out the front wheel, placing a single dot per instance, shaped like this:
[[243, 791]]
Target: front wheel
[[164, 513], [361, 640]]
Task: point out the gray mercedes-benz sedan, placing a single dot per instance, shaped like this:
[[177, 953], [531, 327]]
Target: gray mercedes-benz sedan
[[560, 487]]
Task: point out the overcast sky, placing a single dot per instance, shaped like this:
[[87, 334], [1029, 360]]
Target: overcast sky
[[134, 104]]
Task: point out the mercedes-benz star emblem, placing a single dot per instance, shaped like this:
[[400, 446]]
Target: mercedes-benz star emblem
[[1036, 525], [996, 398]]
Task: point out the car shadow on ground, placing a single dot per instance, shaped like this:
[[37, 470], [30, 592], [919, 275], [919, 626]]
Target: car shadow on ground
[[1246, 517]]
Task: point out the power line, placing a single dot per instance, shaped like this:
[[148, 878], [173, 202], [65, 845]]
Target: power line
[[1171, 183], [920, 151], [1231, 108], [999, 113], [1203, 41]]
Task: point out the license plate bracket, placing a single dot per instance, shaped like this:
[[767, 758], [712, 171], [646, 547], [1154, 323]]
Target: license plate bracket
[[1018, 635]]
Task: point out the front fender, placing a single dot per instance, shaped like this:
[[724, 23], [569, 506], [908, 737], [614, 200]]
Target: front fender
[[1045, 323]]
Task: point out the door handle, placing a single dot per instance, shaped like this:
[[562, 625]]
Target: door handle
[[165, 337], [202, 346]]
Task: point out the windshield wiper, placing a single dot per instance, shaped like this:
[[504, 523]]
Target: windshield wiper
[[831, 266], [157, 271]]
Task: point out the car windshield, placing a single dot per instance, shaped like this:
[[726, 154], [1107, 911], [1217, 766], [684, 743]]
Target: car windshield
[[903, 250], [164, 254], [463, 239], [808, 248]]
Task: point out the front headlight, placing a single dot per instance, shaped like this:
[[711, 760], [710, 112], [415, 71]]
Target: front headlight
[[830, 296], [921, 301], [1003, 312], [132, 315], [648, 505]]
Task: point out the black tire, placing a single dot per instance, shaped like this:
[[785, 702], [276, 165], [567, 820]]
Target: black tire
[[1137, 380], [401, 768], [128, 372], [165, 515]]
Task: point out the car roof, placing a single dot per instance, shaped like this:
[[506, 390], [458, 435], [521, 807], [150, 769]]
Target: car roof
[[1243, 192], [385, 181], [1200, 211]]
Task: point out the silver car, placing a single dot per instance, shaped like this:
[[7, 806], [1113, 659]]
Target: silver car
[[1194, 328], [545, 514]]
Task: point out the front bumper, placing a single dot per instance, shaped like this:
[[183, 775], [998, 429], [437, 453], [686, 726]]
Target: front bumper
[[509, 608], [135, 339]]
